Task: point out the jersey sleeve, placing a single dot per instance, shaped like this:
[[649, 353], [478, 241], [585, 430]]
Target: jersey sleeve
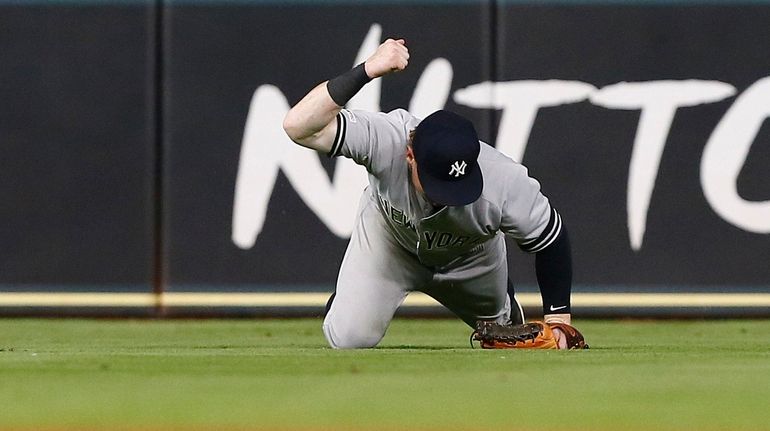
[[527, 215], [371, 139]]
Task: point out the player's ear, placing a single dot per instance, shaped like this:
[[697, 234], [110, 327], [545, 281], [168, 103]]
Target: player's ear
[[409, 153]]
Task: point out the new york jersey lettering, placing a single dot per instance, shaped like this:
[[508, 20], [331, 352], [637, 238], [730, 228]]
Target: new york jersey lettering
[[435, 240]]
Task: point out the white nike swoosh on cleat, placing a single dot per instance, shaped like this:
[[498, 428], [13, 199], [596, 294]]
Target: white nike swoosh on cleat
[[557, 308]]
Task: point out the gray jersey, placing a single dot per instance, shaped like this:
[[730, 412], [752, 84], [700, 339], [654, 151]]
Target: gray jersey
[[511, 202]]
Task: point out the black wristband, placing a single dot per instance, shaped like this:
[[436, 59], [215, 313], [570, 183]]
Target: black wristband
[[345, 86]]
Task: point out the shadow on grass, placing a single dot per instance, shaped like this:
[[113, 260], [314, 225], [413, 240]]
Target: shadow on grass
[[463, 348], [418, 347]]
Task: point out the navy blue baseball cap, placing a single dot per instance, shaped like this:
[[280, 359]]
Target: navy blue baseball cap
[[446, 148]]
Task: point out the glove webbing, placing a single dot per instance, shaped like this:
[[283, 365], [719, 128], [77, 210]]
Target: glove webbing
[[491, 331]]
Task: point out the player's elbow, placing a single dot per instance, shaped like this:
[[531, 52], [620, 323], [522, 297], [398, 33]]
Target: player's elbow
[[293, 126], [296, 126]]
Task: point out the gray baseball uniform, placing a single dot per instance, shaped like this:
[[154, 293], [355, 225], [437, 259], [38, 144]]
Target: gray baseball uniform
[[401, 243]]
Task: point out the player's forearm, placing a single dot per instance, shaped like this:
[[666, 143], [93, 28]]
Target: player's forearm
[[553, 267], [310, 116], [311, 122]]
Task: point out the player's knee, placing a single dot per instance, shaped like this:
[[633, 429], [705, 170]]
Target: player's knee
[[350, 336]]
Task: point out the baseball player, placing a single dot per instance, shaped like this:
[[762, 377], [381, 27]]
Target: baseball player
[[434, 216]]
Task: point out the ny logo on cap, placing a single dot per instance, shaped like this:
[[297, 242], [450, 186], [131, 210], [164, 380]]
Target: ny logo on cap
[[458, 168]]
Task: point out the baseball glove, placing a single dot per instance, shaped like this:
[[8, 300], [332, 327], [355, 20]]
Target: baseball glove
[[533, 335]]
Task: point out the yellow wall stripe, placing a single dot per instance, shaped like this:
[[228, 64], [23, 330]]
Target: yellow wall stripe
[[189, 299]]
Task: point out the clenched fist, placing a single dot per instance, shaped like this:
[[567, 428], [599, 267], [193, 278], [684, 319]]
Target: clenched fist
[[391, 56]]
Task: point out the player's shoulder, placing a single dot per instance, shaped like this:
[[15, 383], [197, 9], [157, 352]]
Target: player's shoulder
[[495, 162], [398, 118], [402, 114], [501, 174], [404, 117]]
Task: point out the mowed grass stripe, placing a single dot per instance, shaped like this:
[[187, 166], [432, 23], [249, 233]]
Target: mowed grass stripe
[[278, 374]]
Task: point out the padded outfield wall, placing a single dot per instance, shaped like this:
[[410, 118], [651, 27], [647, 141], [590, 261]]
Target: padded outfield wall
[[144, 170]]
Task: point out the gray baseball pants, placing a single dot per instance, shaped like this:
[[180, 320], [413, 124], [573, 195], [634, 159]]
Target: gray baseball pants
[[377, 274]]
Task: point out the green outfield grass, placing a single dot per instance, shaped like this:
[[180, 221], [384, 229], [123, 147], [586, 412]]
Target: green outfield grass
[[279, 375]]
